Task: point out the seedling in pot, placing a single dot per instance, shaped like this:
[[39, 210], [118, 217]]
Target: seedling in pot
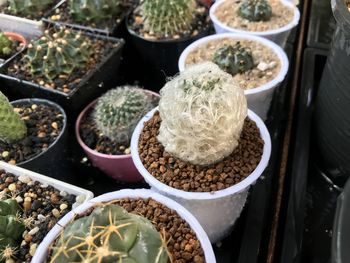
[[6, 45], [255, 10], [10, 43]]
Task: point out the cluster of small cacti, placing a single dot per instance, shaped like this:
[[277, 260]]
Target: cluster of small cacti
[[119, 110], [255, 10], [234, 59], [12, 128], [28, 7], [6, 45], [94, 10], [202, 112], [110, 234], [11, 229], [57, 54], [168, 17]]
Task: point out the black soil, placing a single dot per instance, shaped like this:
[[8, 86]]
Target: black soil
[[44, 124]]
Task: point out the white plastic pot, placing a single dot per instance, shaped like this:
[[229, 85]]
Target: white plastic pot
[[279, 36], [41, 253], [216, 211], [259, 99]]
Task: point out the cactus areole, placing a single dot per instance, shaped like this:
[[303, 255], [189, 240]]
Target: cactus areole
[[255, 10]]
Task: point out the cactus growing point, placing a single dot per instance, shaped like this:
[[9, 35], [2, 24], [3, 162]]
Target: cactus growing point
[[255, 10]]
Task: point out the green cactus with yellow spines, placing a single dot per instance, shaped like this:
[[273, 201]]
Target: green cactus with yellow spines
[[255, 10], [28, 7], [110, 234]]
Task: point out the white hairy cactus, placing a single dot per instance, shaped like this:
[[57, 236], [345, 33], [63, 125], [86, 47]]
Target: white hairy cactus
[[203, 112]]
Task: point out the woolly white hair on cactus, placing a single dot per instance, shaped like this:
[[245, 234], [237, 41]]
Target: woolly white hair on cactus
[[203, 112]]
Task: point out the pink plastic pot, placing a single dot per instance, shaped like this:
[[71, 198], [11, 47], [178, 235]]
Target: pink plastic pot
[[119, 167], [16, 37]]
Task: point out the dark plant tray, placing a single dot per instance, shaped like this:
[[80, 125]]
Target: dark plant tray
[[322, 24], [91, 86], [311, 202]]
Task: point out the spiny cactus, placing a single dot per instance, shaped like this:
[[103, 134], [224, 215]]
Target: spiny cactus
[[110, 234], [119, 110], [234, 59], [28, 7], [94, 10], [12, 128], [202, 112], [58, 53], [255, 10], [11, 229], [6, 45], [168, 17]]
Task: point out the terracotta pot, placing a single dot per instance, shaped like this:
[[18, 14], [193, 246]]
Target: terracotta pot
[[16, 37]]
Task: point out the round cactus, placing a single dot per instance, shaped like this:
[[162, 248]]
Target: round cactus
[[119, 110], [94, 10], [234, 59], [12, 128], [6, 45], [168, 17], [28, 7], [110, 234], [255, 10], [58, 53]]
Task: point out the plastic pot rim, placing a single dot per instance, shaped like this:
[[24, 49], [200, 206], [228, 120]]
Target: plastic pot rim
[[87, 148], [285, 28], [237, 188], [281, 54], [41, 253]]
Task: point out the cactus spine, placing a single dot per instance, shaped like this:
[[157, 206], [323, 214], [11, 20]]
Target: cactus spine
[[94, 10], [110, 234], [56, 54], [6, 45], [28, 7], [12, 128], [255, 10], [119, 110], [234, 59], [168, 17]]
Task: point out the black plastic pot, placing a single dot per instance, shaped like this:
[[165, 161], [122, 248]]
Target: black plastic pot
[[91, 85], [332, 118], [51, 162]]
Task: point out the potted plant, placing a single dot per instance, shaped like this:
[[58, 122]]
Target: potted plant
[[32, 134], [209, 148], [10, 44], [66, 66], [258, 65], [266, 18], [160, 30], [128, 225], [105, 126], [30, 205], [105, 17]]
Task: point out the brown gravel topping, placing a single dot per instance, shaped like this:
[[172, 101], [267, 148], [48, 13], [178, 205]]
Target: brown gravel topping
[[267, 64], [193, 178], [227, 14]]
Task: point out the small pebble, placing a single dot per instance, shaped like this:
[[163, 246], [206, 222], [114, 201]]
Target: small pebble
[[44, 185], [41, 218], [34, 106], [33, 231], [63, 207], [263, 66], [63, 193], [80, 199], [24, 179], [32, 249], [28, 199], [54, 125], [5, 154], [12, 161], [12, 187], [27, 206], [56, 213]]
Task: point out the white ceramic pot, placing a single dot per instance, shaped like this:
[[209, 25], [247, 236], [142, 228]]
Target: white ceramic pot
[[279, 36], [216, 211], [41, 253], [259, 99]]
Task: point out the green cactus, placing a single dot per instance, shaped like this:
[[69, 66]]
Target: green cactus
[[255, 10], [11, 228], [168, 17], [110, 234], [12, 128], [94, 10], [234, 59], [58, 53], [119, 110], [6, 45], [28, 7]]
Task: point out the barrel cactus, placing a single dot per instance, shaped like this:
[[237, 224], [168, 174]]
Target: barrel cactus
[[57, 54], [6, 45], [12, 128], [202, 112], [255, 10], [28, 7], [119, 110], [94, 10], [234, 59], [110, 234], [168, 17], [11, 229]]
